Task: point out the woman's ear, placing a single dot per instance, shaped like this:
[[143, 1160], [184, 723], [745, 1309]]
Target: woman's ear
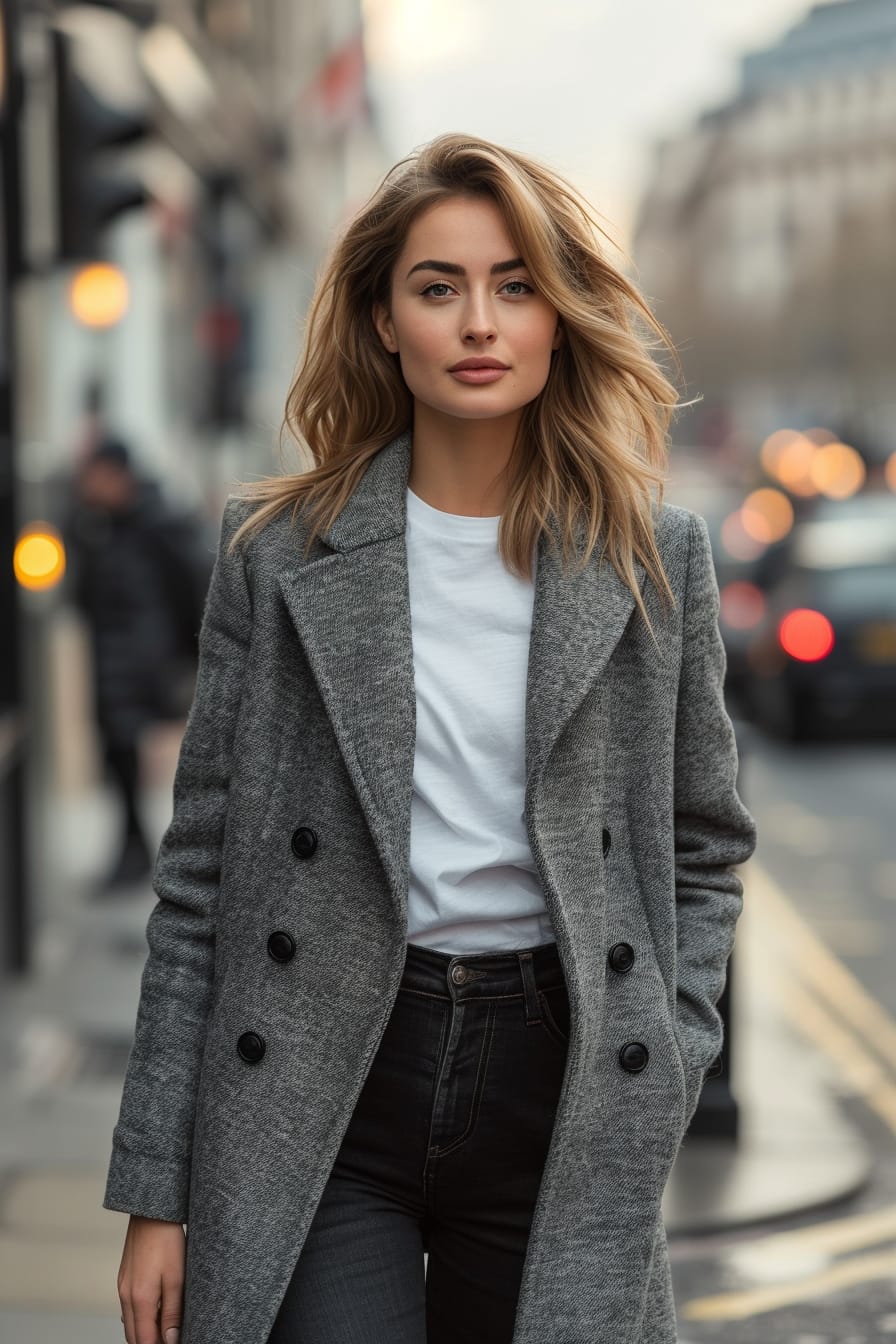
[[382, 320]]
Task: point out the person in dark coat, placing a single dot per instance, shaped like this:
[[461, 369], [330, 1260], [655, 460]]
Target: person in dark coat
[[139, 576]]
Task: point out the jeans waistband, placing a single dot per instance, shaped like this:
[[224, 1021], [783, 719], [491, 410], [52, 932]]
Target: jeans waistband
[[476, 975]]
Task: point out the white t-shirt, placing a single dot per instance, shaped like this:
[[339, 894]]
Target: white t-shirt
[[474, 886]]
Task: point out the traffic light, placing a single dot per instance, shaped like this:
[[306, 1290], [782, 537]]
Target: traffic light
[[91, 191], [223, 332]]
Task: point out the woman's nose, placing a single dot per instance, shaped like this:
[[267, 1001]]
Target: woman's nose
[[479, 323]]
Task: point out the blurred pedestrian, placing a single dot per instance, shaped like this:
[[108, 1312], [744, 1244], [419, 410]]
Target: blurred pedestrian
[[138, 575], [448, 894]]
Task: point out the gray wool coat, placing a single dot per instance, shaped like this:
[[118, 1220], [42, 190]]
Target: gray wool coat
[[304, 715]]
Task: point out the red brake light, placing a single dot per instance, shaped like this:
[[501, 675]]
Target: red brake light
[[806, 635]]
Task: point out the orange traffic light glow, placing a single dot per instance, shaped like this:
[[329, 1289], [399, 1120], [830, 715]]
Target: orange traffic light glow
[[39, 557], [99, 295]]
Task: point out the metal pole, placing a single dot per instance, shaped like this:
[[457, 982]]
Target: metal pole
[[13, 874], [718, 1115]]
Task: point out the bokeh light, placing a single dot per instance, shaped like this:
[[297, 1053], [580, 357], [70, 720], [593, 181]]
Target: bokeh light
[[767, 514], [773, 448], [39, 557], [99, 295], [800, 461], [806, 635], [742, 604], [837, 470], [794, 466], [737, 541]]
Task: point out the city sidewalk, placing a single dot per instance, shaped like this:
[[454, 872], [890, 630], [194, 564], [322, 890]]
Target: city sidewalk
[[65, 1033]]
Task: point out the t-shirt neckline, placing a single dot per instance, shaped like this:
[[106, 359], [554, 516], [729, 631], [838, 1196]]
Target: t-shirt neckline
[[450, 524]]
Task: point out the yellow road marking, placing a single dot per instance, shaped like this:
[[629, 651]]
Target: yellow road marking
[[742, 1305], [832, 1008], [838, 1234], [813, 961], [868, 1076]]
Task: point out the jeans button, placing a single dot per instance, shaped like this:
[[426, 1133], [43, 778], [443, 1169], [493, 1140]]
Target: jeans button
[[459, 974]]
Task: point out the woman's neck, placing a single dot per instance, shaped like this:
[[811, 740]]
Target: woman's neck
[[456, 465]]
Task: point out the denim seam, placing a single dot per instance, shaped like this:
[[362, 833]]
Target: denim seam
[[478, 1089]]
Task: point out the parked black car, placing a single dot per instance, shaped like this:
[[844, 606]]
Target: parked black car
[[824, 650]]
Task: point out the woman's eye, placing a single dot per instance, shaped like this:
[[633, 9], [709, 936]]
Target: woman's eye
[[436, 284], [525, 288]]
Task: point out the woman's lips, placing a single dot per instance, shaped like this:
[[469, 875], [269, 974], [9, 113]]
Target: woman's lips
[[477, 375]]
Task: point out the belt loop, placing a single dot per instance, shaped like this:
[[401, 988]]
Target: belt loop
[[533, 1010]]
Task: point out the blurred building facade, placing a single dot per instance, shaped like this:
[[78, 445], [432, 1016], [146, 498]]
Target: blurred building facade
[[766, 237], [262, 137]]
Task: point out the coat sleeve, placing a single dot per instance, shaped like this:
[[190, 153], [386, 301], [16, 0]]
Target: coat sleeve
[[152, 1141], [713, 830]]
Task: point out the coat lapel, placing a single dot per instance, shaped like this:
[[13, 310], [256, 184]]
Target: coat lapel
[[351, 611], [577, 621]]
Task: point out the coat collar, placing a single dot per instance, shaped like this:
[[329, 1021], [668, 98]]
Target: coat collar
[[351, 611]]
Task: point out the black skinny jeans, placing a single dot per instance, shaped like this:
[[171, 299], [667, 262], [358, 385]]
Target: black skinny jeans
[[444, 1155]]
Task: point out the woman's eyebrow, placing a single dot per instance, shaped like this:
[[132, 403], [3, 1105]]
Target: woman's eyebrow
[[451, 267]]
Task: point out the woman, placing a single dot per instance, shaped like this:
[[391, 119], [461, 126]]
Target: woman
[[448, 893]]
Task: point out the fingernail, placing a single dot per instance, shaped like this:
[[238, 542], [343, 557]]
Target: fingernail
[[172, 1336]]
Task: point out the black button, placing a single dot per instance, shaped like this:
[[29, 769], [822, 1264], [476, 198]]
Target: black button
[[621, 957], [281, 946], [633, 1057], [304, 842], [606, 840], [250, 1047]]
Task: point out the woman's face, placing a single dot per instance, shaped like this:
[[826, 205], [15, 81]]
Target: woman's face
[[461, 291]]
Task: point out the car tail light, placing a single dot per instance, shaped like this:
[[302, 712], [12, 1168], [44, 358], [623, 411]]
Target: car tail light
[[806, 635], [742, 604]]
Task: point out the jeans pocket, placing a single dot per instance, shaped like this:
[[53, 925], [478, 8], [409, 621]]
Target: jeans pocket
[[554, 1005]]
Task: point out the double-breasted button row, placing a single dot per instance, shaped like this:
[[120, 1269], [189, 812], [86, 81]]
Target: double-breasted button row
[[281, 947], [250, 1045], [634, 1055]]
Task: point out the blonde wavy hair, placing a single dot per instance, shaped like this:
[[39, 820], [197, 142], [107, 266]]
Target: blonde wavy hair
[[589, 449]]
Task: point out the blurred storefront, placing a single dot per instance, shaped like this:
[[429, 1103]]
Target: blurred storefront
[[259, 132], [175, 172]]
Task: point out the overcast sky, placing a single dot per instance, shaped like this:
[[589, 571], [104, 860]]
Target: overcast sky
[[585, 85]]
